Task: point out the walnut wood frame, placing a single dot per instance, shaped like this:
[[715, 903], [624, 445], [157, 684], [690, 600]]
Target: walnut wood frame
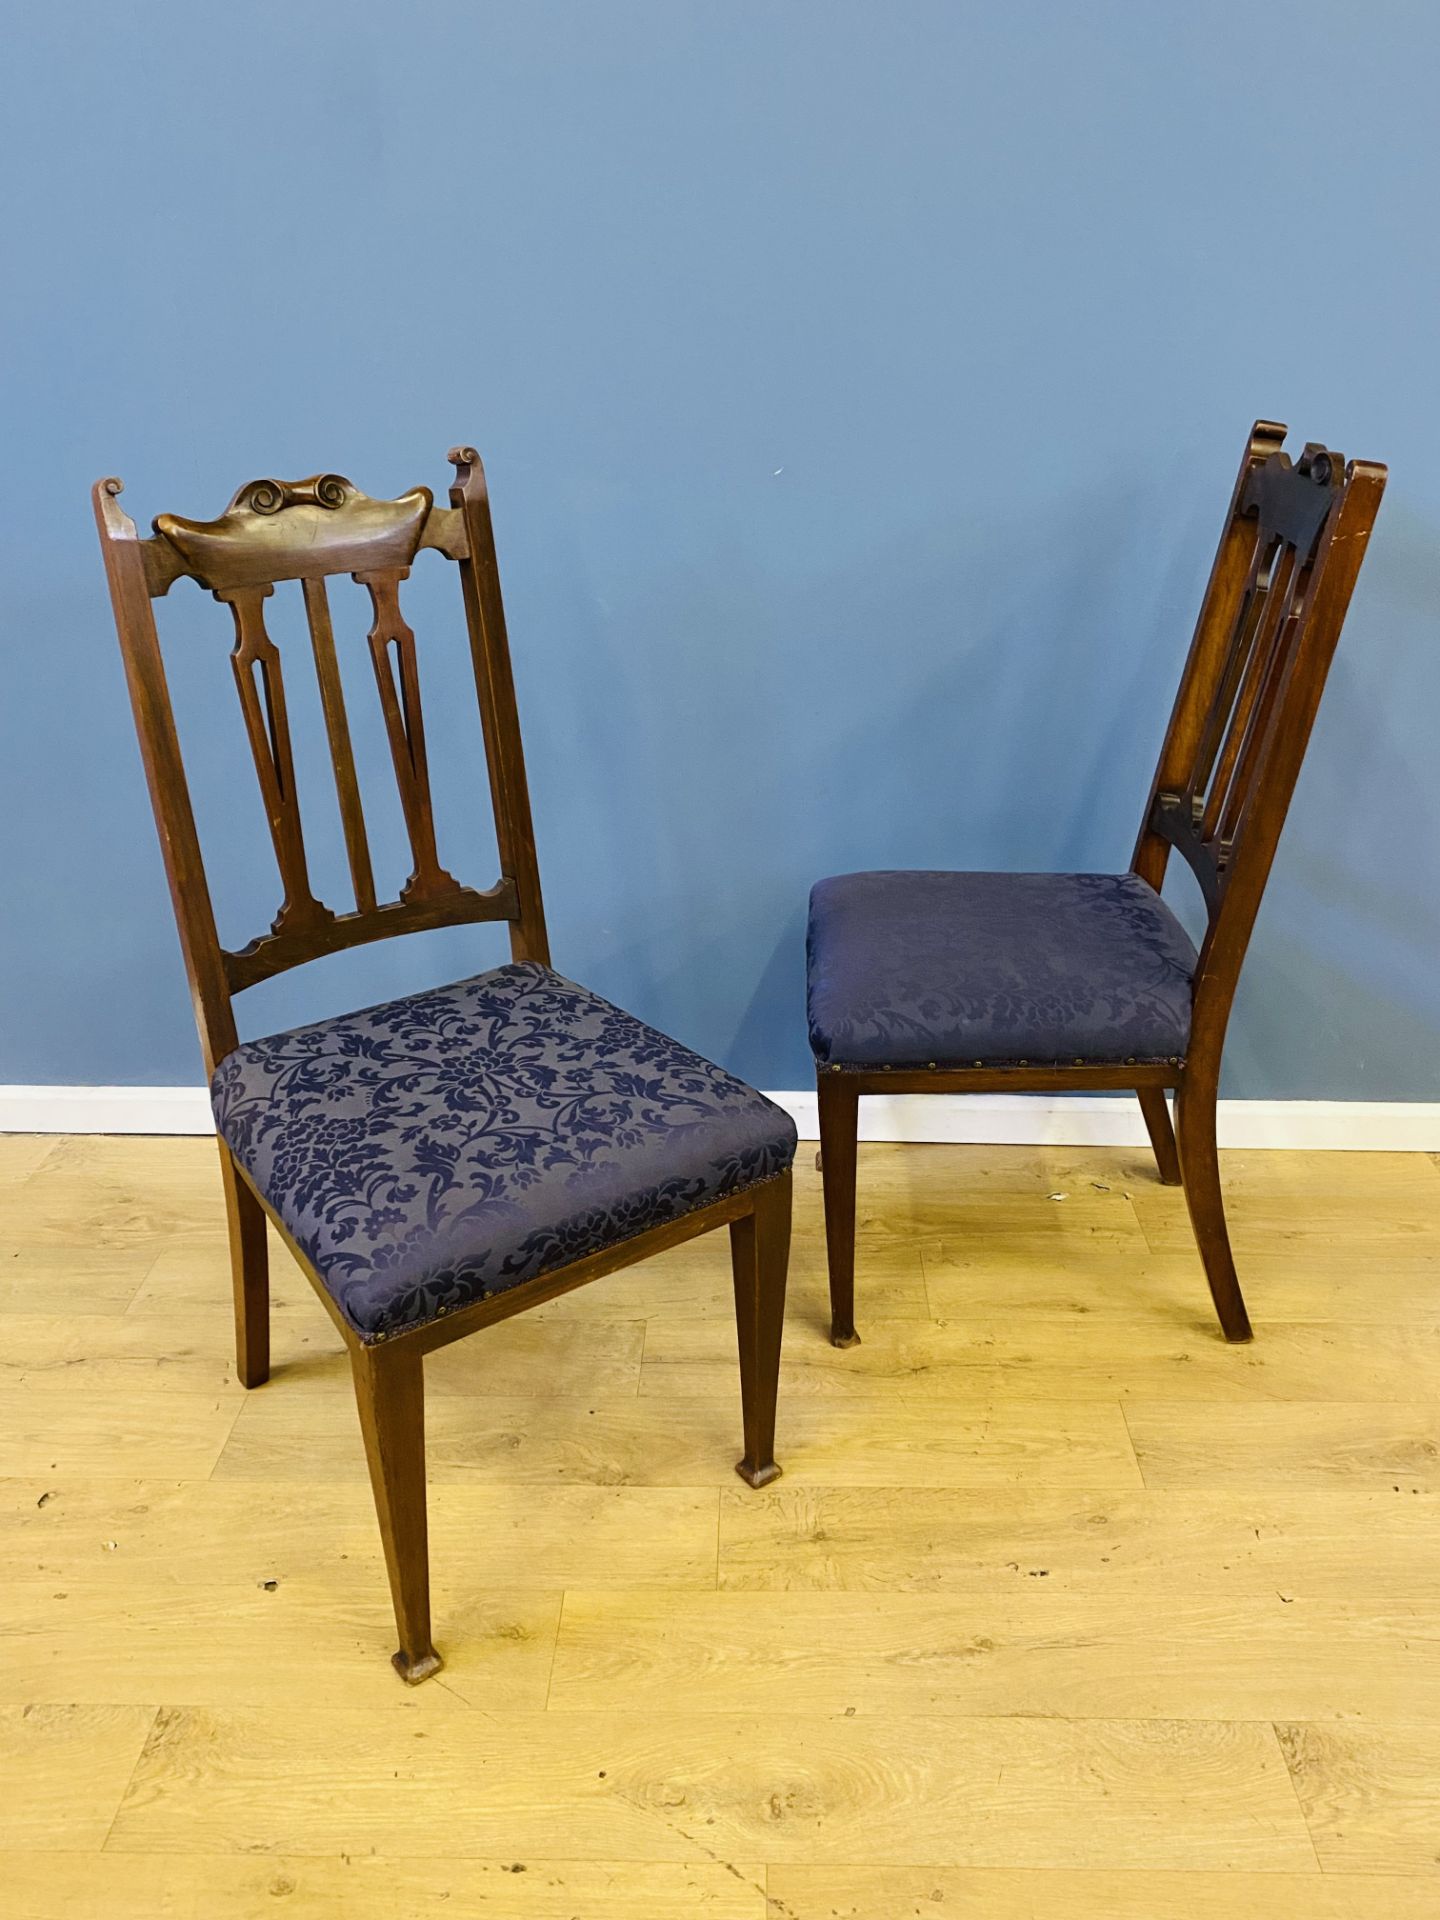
[[1292, 546], [306, 531]]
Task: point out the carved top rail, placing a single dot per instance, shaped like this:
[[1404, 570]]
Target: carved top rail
[[277, 530]]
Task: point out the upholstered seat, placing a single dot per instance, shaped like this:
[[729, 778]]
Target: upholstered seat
[[441, 1148], [964, 969]]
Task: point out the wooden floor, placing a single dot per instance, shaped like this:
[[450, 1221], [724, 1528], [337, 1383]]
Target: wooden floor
[[1061, 1608]]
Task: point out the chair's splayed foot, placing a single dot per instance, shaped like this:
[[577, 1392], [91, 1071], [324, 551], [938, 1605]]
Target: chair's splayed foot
[[844, 1337], [757, 1476], [412, 1672]]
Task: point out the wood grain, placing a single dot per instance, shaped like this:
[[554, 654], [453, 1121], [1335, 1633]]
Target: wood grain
[[43, 1433], [23, 1154], [189, 1533], [192, 1274], [1329, 1286], [1132, 1547], [194, 1352], [1068, 1357], [1305, 1226], [48, 1886], [1369, 1794], [949, 1893], [694, 1281], [70, 1280], [1032, 1651], [1325, 1443], [661, 1786], [666, 1442], [63, 1770], [238, 1642]]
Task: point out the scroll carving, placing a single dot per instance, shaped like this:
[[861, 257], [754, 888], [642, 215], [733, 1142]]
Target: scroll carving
[[290, 530]]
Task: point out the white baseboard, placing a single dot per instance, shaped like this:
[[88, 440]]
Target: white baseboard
[[997, 1119], [1099, 1120], [105, 1110]]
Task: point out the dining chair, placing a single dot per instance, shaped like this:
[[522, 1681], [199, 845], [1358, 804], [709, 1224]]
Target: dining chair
[[1087, 982], [443, 1161]]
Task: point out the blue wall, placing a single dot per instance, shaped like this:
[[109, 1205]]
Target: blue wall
[[860, 388]]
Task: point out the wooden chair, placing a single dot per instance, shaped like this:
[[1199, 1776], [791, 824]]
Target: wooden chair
[[444, 1161], [1081, 983]]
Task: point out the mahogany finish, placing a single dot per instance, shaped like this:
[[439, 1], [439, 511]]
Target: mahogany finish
[[306, 531], [1291, 549]]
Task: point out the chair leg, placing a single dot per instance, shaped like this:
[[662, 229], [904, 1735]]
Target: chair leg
[[839, 1131], [1162, 1134], [249, 1275], [1200, 1172], [760, 1255], [390, 1392]]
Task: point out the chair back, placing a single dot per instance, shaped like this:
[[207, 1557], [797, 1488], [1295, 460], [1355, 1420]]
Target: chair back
[[1293, 543], [304, 531]]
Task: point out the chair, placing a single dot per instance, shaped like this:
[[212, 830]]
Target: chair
[[1071, 983], [447, 1160]]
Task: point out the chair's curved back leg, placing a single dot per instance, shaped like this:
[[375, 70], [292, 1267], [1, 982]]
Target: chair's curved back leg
[[1200, 1174], [249, 1275], [390, 1393], [760, 1256], [1162, 1134], [839, 1105]]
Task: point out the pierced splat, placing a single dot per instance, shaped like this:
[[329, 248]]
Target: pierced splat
[[1241, 676], [399, 685], [276, 531], [1239, 667], [268, 727]]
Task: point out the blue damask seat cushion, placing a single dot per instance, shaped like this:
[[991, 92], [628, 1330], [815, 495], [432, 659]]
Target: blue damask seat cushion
[[955, 969], [436, 1150]]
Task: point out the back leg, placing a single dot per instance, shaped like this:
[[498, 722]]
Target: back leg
[[1162, 1135], [839, 1130], [1200, 1170], [249, 1275]]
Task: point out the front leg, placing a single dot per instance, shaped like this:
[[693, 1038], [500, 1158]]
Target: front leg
[[390, 1393]]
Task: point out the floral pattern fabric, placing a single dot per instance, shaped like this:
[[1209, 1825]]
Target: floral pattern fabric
[[438, 1149], [951, 969]]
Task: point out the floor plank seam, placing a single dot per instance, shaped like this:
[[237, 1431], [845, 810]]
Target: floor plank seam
[[1299, 1803], [1134, 1450], [240, 1406], [555, 1650], [130, 1779]]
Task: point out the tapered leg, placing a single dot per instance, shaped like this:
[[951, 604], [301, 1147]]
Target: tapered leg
[[390, 1390], [839, 1130], [760, 1255], [1162, 1136], [1200, 1173], [249, 1275]]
